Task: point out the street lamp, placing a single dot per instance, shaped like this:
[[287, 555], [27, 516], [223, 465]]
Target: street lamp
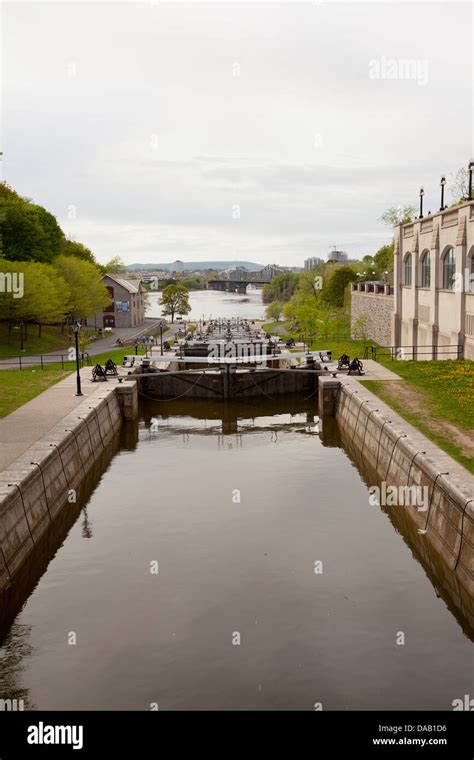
[[75, 328], [442, 183], [162, 324], [471, 169], [422, 192]]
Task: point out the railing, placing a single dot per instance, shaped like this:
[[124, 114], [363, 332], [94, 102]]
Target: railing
[[414, 353], [42, 360]]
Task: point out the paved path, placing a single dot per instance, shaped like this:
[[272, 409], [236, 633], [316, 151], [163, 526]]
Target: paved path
[[23, 427]]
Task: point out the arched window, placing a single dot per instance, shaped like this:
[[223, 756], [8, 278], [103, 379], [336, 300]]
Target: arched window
[[425, 270], [407, 270], [449, 269], [471, 273]]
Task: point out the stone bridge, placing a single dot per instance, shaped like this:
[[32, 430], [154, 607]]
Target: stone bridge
[[236, 280]]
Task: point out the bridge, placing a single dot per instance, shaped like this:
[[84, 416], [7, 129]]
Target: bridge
[[236, 280]]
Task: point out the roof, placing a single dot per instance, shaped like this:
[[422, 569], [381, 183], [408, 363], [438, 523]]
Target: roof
[[131, 287]]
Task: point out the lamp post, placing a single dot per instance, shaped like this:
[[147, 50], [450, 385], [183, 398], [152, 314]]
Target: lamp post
[[161, 337], [442, 183], [422, 192], [75, 328], [471, 169]]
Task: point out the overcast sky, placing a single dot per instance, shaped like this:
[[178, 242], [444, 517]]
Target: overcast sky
[[143, 126]]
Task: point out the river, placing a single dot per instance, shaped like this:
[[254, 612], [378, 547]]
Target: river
[[206, 304]]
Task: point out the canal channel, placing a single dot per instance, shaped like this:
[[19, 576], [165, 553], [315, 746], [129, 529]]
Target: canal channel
[[228, 557]]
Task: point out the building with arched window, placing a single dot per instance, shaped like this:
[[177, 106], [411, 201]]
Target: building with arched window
[[127, 304], [434, 285]]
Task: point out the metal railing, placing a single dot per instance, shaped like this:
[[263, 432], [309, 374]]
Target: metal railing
[[414, 353], [43, 360]]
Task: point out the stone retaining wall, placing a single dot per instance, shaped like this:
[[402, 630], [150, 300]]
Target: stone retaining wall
[[39, 484], [448, 524], [378, 309]]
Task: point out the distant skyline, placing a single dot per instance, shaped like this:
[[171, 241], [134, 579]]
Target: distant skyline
[[267, 132]]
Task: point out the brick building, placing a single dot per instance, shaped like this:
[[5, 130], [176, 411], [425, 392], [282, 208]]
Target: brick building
[[128, 305]]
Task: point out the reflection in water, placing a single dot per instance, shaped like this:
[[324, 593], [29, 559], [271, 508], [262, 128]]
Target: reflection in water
[[227, 565]]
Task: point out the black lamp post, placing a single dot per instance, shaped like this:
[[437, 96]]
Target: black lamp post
[[422, 192], [75, 328], [471, 169], [442, 183], [161, 337]]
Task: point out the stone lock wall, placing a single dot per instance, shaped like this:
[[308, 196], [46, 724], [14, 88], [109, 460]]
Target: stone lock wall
[[35, 488], [378, 308]]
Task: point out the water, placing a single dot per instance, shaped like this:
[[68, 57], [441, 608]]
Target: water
[[213, 303], [236, 504]]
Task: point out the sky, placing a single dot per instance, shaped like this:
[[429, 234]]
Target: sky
[[267, 132]]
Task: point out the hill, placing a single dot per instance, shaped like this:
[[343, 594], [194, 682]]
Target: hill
[[199, 265]]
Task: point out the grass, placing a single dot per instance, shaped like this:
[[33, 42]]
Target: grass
[[16, 388], [445, 405], [51, 340]]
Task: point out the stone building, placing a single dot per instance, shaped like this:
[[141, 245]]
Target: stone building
[[434, 285], [372, 306], [128, 306]]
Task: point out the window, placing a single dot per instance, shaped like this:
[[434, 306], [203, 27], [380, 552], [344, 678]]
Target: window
[[471, 274], [449, 269], [407, 270], [122, 305], [111, 306], [425, 270]]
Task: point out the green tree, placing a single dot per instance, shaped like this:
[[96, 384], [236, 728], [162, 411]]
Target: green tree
[[87, 293], [274, 310], [383, 259], [175, 300], [72, 248], [398, 215], [281, 288], [335, 285], [114, 266]]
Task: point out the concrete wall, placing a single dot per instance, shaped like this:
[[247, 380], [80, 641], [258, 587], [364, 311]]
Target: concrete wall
[[449, 521], [378, 309], [40, 483]]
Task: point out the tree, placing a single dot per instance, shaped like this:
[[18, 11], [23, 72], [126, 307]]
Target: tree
[[398, 215], [368, 259], [274, 310], [281, 288], [72, 248], [87, 293], [114, 266], [459, 186], [175, 300], [335, 285], [383, 259]]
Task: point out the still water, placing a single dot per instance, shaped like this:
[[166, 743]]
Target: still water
[[213, 303], [235, 504]]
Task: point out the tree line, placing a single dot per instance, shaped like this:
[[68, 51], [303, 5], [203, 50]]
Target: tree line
[[58, 280]]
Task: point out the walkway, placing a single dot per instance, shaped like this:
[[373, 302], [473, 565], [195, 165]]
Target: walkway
[[23, 427]]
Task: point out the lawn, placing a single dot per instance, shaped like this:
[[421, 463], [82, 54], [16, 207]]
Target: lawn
[[51, 340], [438, 399], [17, 387]]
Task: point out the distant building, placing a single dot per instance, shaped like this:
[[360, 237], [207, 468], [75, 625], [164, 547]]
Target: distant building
[[177, 266], [312, 262], [338, 256], [127, 308]]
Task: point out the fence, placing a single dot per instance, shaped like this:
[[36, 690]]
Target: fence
[[42, 360], [414, 353]]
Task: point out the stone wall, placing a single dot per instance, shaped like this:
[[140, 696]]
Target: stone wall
[[448, 523], [41, 483], [378, 308]]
